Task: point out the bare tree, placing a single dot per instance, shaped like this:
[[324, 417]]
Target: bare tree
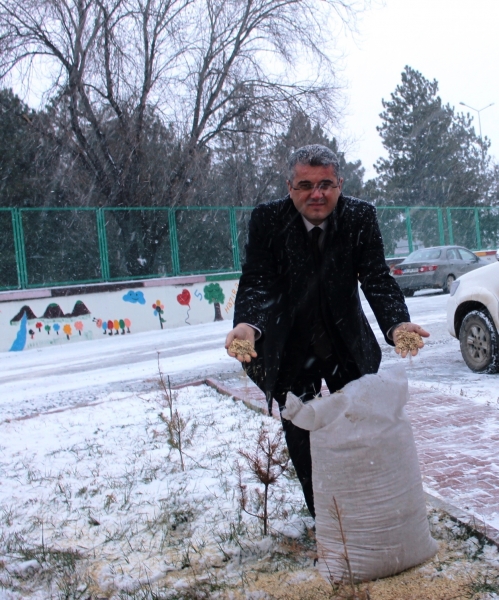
[[120, 73]]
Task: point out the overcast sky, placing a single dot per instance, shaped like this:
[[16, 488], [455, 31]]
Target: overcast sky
[[452, 41]]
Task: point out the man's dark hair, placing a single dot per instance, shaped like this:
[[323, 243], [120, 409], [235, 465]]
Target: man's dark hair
[[314, 155]]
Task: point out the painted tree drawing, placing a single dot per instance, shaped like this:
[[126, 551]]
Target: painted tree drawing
[[214, 294]]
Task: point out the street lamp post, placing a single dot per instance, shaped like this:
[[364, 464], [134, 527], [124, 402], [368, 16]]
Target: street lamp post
[[478, 111]]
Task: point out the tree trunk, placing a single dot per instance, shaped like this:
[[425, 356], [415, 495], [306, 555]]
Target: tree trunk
[[218, 312]]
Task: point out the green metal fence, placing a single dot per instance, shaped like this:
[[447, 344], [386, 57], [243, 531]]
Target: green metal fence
[[44, 247]]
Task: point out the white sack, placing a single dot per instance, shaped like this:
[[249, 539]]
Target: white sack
[[364, 456]]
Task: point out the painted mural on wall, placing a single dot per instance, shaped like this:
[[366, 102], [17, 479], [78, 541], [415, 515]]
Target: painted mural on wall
[[184, 299], [230, 303], [112, 314], [159, 309], [53, 320], [113, 326], [215, 295], [134, 297]]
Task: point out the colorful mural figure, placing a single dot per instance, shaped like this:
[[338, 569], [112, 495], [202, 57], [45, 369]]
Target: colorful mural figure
[[56, 328], [198, 295], [39, 326], [24, 312], [20, 340], [67, 330], [215, 295], [53, 311], [79, 326], [47, 329], [134, 297], [112, 325], [184, 299], [158, 311], [31, 333]]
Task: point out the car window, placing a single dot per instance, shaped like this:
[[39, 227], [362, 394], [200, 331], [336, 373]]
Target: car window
[[466, 255], [424, 254], [453, 254]]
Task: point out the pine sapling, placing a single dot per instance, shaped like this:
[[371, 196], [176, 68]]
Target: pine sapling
[[267, 462], [179, 429]]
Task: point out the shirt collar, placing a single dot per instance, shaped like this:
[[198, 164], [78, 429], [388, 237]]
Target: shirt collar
[[310, 226]]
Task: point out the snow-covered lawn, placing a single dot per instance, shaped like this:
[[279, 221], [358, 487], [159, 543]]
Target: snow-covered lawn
[[96, 495]]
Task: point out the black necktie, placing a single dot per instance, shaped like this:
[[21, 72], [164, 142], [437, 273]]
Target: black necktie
[[315, 235], [320, 341]]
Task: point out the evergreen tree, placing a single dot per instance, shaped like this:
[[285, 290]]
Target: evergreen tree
[[434, 156]]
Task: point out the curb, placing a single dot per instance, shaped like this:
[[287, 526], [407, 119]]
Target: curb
[[253, 404], [470, 522]]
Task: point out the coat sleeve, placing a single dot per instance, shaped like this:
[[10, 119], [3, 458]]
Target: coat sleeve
[[379, 287], [259, 272]]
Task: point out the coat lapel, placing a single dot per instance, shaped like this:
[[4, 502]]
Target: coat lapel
[[295, 243]]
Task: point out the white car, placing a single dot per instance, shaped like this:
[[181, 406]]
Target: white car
[[473, 317]]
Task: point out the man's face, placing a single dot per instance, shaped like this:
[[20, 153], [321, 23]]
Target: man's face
[[315, 204]]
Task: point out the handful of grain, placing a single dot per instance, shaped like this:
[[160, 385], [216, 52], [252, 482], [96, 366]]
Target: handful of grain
[[408, 341], [241, 347]]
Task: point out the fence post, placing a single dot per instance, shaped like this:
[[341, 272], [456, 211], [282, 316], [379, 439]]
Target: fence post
[[441, 235], [20, 250], [449, 226], [172, 224], [477, 229], [408, 229], [233, 234], [103, 250]]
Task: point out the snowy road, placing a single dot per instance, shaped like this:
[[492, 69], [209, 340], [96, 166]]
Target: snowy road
[[48, 378]]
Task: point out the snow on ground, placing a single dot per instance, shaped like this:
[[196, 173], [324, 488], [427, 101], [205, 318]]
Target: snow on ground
[[101, 487], [96, 483], [53, 377]]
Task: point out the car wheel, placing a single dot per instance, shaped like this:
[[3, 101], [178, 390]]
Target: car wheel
[[448, 282], [408, 293], [479, 342]]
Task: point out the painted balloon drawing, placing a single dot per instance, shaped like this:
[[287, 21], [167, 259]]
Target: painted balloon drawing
[[184, 299]]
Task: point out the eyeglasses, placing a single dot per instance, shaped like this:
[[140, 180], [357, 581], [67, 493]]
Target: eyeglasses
[[322, 186]]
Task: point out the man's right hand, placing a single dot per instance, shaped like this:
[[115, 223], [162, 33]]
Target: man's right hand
[[241, 332]]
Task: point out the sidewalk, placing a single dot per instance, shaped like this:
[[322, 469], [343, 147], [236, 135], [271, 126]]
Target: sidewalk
[[457, 443]]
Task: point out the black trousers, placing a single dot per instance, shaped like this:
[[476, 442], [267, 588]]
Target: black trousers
[[307, 384]]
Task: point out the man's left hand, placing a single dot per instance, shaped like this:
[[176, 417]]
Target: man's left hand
[[408, 327]]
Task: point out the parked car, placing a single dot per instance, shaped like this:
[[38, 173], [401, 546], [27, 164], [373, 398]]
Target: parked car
[[435, 268], [473, 317]]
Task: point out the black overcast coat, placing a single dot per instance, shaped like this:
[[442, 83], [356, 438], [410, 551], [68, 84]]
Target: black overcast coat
[[279, 274]]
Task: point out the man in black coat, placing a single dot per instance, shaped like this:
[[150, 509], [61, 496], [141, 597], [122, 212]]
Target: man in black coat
[[298, 300]]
